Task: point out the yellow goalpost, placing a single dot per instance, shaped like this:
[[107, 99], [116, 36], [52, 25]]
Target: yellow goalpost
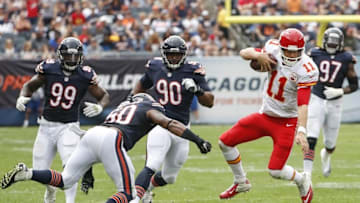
[[322, 19]]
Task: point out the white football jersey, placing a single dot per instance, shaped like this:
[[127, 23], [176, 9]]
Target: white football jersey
[[280, 91]]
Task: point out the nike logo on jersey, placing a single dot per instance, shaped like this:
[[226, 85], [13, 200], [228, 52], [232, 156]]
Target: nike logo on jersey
[[289, 125]]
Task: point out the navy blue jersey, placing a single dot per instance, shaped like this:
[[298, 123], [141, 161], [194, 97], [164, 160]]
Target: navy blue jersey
[[168, 89], [131, 119], [63, 93], [332, 69]]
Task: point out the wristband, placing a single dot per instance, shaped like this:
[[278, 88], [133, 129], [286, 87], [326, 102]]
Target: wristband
[[200, 92], [301, 129], [187, 134]]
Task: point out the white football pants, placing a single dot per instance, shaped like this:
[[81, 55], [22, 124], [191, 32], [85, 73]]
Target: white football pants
[[325, 114], [165, 148], [100, 144], [55, 137]]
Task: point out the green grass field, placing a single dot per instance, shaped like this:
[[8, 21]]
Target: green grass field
[[203, 177]]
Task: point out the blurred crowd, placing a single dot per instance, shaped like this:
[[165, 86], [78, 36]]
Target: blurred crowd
[[32, 29]]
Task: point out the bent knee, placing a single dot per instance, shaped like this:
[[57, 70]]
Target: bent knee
[[224, 147], [275, 173]]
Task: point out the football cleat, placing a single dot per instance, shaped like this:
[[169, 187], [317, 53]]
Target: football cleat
[[305, 188], [235, 189], [148, 196], [325, 163], [18, 173]]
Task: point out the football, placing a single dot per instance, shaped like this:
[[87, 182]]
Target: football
[[256, 66]]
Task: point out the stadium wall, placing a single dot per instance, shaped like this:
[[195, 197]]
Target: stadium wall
[[237, 88]]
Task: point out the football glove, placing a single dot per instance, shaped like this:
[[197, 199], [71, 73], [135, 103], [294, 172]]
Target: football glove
[[204, 146], [331, 92], [92, 109], [190, 85], [87, 181], [21, 101]]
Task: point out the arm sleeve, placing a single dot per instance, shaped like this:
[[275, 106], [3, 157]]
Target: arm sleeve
[[303, 95]]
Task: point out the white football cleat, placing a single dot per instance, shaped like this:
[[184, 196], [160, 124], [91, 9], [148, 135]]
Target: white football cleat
[[325, 162], [305, 188], [148, 196], [18, 173], [235, 189]]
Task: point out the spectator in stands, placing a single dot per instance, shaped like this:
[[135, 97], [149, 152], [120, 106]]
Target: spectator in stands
[[9, 51], [77, 17], [93, 50], [32, 7], [28, 52], [23, 25]]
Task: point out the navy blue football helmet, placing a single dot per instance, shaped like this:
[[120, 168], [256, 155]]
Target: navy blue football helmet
[[173, 52], [70, 53], [333, 40]]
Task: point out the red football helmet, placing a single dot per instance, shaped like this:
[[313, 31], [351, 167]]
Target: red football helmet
[[291, 40]]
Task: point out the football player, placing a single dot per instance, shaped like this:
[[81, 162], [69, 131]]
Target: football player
[[325, 106], [65, 83], [175, 81], [282, 116], [108, 143]]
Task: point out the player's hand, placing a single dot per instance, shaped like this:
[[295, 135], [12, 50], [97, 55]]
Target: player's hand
[[300, 139], [21, 101], [87, 181], [331, 92], [190, 85], [204, 147], [266, 61], [92, 109]]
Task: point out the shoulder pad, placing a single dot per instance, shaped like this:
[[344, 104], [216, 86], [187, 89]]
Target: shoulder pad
[[44, 65], [154, 61], [308, 73], [271, 47], [90, 74]]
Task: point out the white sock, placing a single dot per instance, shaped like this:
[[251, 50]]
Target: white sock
[[308, 166], [289, 173], [233, 158]]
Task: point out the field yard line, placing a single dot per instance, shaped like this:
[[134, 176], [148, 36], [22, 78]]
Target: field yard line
[[220, 170], [338, 185], [17, 141], [22, 149]]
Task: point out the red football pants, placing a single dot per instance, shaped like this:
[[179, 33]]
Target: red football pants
[[254, 126]]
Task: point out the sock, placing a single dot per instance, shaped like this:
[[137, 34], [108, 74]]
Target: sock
[[119, 198], [143, 180], [49, 177], [289, 173], [309, 161], [233, 158], [309, 157]]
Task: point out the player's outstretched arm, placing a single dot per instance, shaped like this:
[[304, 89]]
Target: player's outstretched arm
[[178, 129], [102, 97]]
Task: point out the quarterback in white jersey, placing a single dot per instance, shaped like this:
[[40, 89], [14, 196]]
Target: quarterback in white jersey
[[282, 116], [280, 96]]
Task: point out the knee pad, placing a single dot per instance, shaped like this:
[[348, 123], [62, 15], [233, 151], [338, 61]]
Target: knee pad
[[312, 142]]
